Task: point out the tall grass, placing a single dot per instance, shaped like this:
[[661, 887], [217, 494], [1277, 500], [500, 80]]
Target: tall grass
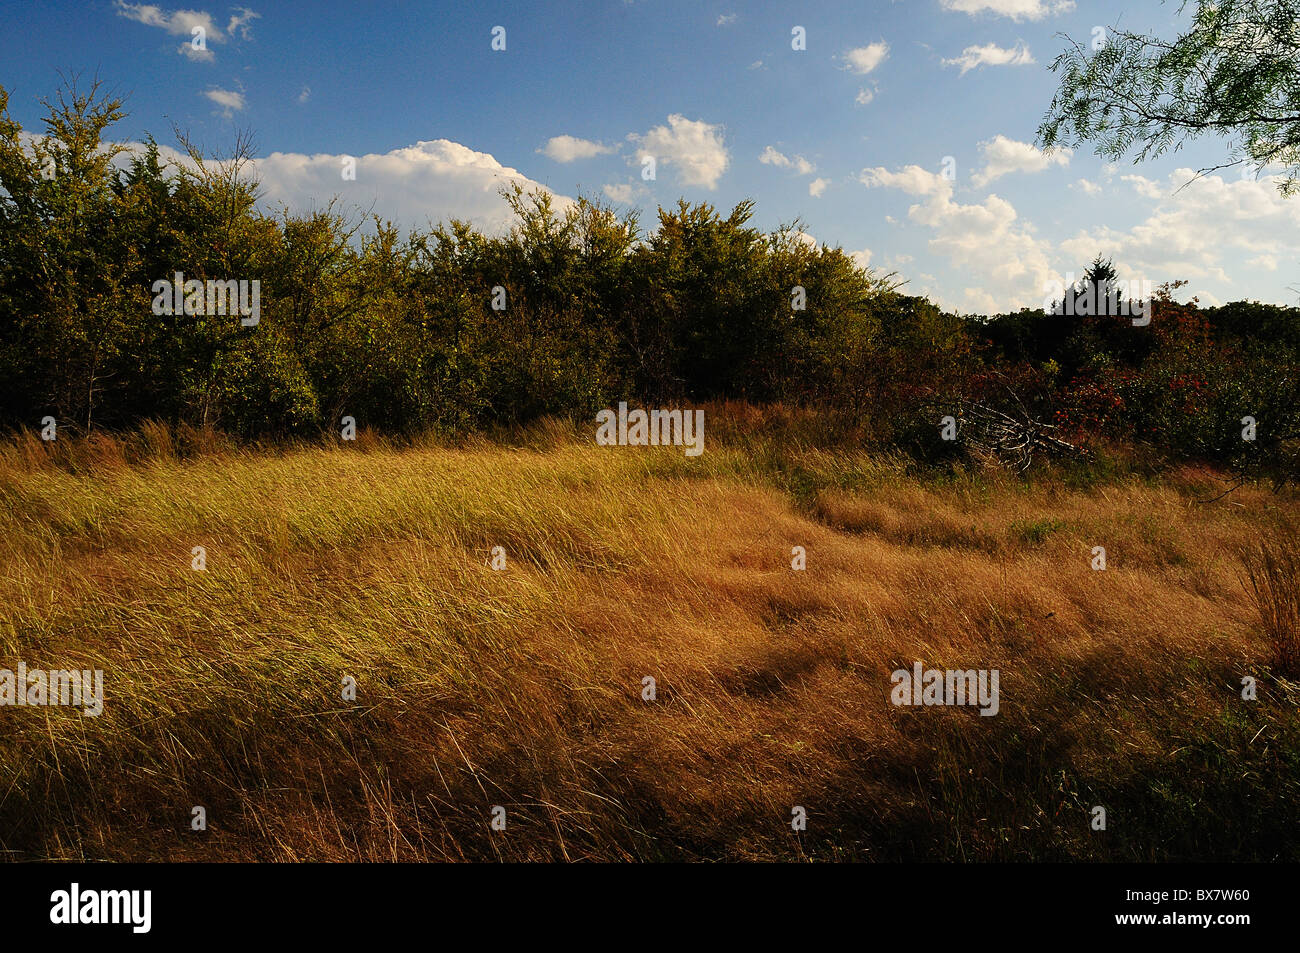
[[1273, 575], [522, 688]]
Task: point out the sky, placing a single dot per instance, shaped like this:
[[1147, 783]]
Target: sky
[[902, 131]]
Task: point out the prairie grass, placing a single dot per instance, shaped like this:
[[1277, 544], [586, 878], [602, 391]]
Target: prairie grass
[[522, 688], [1273, 573]]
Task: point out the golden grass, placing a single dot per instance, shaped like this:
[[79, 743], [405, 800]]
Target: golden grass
[[522, 688]]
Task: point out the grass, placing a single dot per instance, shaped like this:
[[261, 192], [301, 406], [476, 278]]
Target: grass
[[523, 687], [1272, 568]]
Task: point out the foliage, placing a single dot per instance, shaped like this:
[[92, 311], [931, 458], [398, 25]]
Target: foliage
[[1232, 73], [573, 309]]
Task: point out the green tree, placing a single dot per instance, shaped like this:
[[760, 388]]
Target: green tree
[[61, 281], [1235, 73]]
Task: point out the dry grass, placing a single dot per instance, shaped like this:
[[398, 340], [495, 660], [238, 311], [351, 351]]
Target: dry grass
[[522, 688], [1273, 573]]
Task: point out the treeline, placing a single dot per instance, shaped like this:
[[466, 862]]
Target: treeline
[[573, 310]]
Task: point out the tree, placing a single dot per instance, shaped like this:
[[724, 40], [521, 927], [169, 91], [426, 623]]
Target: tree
[[1099, 282], [1235, 73], [62, 284]]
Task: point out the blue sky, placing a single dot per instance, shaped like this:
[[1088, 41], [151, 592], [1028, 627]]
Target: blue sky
[[851, 134]]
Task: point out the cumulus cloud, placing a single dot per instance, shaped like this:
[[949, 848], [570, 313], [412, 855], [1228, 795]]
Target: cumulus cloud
[[817, 186], [431, 181], [203, 55], [428, 182], [1003, 156], [230, 101], [985, 241], [1144, 186], [1015, 9], [414, 186], [726, 19], [1086, 186], [991, 55], [695, 148], [911, 179], [625, 192], [571, 148], [1203, 231], [1199, 231], [865, 96], [864, 59], [801, 165], [861, 257]]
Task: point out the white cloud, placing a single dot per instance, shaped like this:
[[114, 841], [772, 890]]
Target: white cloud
[[801, 165], [184, 22], [177, 22], [864, 59], [204, 55], [1199, 231], [1015, 9], [911, 179], [984, 241], [991, 55], [1087, 187], [861, 257], [413, 186], [1209, 228], [570, 148], [230, 101], [430, 181], [1003, 156], [239, 22], [1144, 186], [979, 301], [625, 192], [726, 19], [305, 94], [865, 96], [817, 186], [694, 147], [757, 64]]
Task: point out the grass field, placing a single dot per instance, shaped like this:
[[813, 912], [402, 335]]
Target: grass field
[[522, 688]]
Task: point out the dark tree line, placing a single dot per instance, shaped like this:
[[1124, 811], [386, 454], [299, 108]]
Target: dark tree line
[[573, 310]]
